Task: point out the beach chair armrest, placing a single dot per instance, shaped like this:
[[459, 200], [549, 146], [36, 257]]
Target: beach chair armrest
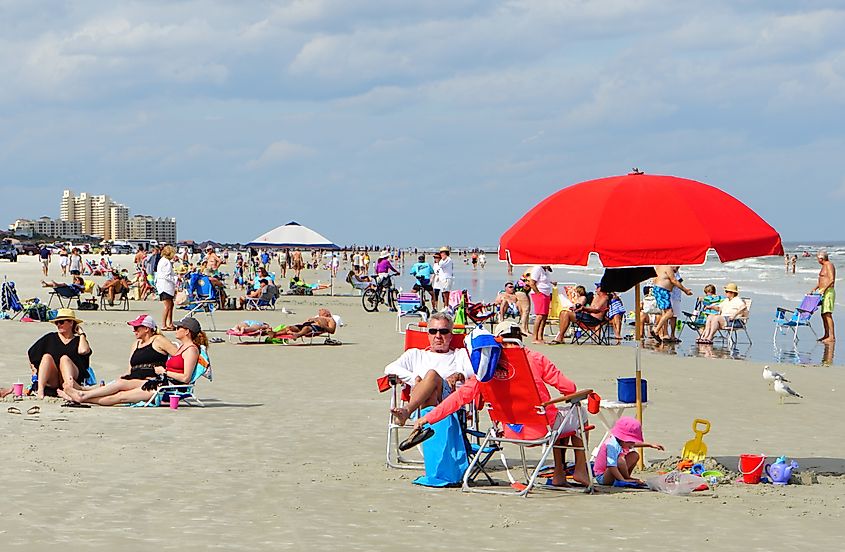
[[783, 310], [799, 309], [575, 397]]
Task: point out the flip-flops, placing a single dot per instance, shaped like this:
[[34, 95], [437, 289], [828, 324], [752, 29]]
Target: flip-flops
[[656, 337], [415, 438], [34, 410], [74, 404], [13, 410]]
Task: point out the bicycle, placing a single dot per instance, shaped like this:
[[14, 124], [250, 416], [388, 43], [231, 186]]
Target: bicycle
[[383, 292]]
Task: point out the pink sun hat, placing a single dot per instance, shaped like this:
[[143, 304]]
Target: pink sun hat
[[628, 429]]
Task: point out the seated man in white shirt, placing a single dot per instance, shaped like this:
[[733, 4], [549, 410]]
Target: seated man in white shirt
[[432, 373]]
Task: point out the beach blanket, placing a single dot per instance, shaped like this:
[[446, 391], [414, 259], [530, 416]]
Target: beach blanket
[[445, 454]]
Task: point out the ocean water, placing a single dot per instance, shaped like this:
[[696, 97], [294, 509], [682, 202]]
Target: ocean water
[[763, 279]]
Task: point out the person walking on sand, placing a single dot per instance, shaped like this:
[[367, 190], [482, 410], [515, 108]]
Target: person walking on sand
[[827, 278], [662, 291], [45, 255]]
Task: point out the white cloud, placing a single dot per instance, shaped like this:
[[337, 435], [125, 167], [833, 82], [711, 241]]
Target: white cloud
[[280, 152]]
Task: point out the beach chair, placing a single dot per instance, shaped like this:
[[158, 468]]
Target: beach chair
[[121, 300], [10, 303], [800, 317], [409, 304], [736, 325], [584, 333], [357, 284], [513, 401], [284, 338], [415, 338], [65, 295], [202, 297], [478, 313], [256, 303], [185, 391]]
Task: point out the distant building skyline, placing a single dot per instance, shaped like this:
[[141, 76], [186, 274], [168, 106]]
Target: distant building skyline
[[99, 215]]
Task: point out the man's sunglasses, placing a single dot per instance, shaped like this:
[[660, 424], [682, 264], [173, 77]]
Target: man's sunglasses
[[441, 331]]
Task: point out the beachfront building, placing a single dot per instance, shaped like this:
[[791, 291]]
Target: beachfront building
[[145, 227], [97, 214], [45, 226]]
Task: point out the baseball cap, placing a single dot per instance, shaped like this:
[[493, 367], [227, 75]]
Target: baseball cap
[[189, 324], [144, 320]]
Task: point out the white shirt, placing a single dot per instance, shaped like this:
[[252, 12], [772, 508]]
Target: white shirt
[[417, 362], [729, 307], [544, 284], [165, 278], [444, 268]]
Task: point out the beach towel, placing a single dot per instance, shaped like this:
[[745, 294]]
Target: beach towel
[[445, 454], [483, 351]]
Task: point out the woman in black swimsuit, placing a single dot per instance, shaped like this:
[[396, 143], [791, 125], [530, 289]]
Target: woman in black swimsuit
[[149, 351], [61, 358]]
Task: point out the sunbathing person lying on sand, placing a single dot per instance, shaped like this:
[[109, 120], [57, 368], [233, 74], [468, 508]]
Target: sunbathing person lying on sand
[[142, 382]]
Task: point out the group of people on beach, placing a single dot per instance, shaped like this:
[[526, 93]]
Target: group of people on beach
[[442, 380], [61, 361]]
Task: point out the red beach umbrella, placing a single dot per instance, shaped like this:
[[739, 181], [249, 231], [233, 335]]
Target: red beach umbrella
[[619, 219]]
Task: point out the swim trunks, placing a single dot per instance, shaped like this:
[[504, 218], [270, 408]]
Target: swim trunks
[[541, 303], [828, 299], [662, 297]]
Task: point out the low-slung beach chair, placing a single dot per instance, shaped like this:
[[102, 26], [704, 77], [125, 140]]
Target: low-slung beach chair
[[202, 297], [736, 325], [514, 401], [185, 391], [800, 317]]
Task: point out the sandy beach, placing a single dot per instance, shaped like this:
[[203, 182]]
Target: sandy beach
[[289, 453]]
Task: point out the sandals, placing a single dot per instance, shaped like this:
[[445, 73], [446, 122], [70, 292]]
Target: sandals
[[74, 404], [169, 329], [656, 337], [416, 437], [554, 342], [704, 341]]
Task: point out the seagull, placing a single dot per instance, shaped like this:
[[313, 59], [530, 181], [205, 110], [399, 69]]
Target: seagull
[[784, 390], [771, 375]]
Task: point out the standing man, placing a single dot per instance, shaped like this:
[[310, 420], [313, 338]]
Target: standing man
[[443, 274], [541, 298], [827, 278], [662, 291], [45, 255]]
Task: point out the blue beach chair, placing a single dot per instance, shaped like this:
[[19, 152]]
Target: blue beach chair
[[185, 391], [800, 317], [202, 297]]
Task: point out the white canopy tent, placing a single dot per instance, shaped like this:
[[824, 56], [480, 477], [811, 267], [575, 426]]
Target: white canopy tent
[[293, 235]]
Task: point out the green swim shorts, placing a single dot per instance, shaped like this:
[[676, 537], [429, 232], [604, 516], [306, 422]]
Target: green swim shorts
[[828, 299]]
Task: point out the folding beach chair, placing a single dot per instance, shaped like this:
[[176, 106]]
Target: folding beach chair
[[202, 297], [584, 333], [738, 324], [400, 394], [256, 303], [185, 391], [409, 304], [285, 338], [121, 300], [65, 295], [514, 402], [478, 313], [10, 304], [800, 317]]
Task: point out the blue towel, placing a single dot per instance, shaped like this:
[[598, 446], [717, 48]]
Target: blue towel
[[445, 454]]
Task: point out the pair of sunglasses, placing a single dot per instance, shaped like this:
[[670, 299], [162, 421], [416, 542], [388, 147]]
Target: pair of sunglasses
[[441, 331]]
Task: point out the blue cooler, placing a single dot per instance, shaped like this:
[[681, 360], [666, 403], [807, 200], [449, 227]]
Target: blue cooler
[[626, 390]]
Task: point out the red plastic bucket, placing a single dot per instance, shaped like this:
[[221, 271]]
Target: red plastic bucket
[[751, 467]]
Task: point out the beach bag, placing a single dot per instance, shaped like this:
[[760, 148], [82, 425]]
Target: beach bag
[[484, 352], [88, 306], [37, 312]]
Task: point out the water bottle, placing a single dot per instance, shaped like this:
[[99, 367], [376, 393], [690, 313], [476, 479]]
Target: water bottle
[[577, 334]]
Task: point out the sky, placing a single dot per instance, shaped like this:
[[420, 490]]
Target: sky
[[420, 122]]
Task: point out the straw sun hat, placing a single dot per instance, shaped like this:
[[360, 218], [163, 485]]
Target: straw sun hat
[[732, 288], [66, 314]]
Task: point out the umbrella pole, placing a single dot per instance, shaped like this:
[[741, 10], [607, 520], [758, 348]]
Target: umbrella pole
[[638, 328]]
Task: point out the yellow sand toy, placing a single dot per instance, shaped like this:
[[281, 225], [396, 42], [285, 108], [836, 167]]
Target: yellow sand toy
[[695, 449]]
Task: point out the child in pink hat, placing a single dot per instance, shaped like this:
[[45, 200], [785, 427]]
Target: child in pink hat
[[615, 458]]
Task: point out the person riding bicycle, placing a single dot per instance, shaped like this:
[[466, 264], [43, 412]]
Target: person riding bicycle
[[384, 270], [423, 272]]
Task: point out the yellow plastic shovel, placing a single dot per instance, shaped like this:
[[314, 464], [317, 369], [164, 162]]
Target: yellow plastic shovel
[[695, 449]]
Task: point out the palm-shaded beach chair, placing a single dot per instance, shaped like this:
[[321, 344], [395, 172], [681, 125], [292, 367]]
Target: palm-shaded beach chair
[[514, 402], [185, 391], [800, 317]]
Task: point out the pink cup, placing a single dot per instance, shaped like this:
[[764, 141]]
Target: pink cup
[[174, 402], [17, 389]]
